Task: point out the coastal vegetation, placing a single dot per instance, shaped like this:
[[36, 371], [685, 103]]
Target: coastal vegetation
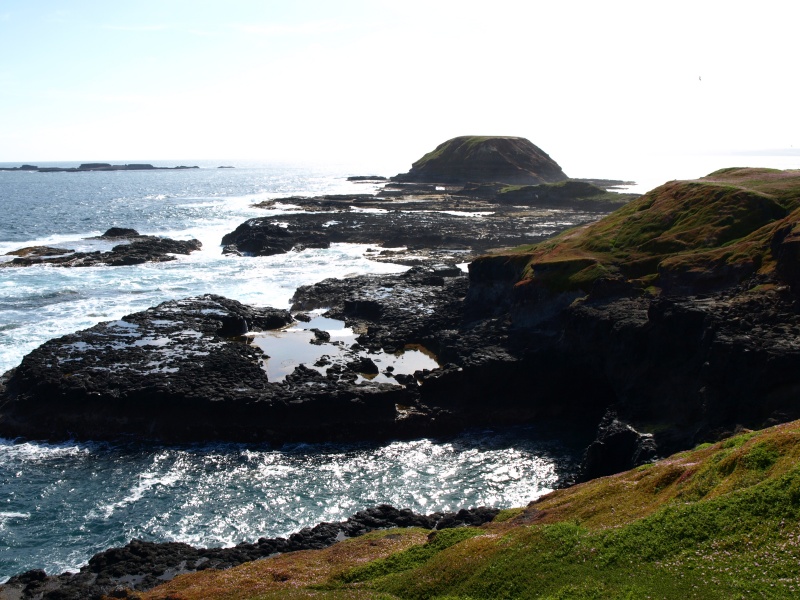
[[670, 322], [695, 235], [719, 521]]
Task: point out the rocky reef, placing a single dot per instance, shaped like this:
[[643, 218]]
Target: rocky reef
[[674, 320], [423, 224], [511, 160], [135, 250], [670, 322], [469, 196]]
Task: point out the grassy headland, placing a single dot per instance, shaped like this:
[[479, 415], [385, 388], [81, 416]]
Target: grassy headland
[[684, 235]]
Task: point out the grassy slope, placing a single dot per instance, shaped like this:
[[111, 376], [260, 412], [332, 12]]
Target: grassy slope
[[720, 521], [467, 143], [718, 226]]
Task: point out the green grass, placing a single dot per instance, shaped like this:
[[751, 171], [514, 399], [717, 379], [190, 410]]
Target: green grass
[[744, 542], [463, 144], [411, 558]]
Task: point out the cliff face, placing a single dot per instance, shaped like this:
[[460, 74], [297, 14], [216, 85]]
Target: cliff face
[[685, 302], [512, 160]]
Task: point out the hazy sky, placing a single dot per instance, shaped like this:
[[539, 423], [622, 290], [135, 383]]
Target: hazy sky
[[352, 81]]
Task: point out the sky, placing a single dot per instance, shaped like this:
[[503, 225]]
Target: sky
[[383, 82]]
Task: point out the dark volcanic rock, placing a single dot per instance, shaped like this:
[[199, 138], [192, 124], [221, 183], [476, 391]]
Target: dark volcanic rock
[[140, 249], [38, 251], [120, 232], [141, 565], [264, 237], [418, 230], [618, 447], [485, 158], [367, 178], [171, 373]]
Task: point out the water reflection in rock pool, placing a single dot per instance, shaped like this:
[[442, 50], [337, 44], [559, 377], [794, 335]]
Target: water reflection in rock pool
[[302, 344]]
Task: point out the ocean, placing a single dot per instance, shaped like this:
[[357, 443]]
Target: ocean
[[61, 503]]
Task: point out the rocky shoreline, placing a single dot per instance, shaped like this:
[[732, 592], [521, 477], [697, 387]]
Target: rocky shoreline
[[418, 224], [142, 565], [673, 321]]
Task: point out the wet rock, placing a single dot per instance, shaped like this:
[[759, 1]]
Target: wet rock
[[38, 251], [366, 178], [363, 365], [174, 373], [320, 336], [431, 232], [141, 249], [119, 232], [262, 237]]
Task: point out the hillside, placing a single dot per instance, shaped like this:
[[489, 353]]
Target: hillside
[[720, 521], [684, 236], [511, 160]]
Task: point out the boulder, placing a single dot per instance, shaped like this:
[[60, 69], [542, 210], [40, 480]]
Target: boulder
[[120, 232]]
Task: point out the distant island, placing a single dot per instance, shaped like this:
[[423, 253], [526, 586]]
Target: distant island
[[95, 167]]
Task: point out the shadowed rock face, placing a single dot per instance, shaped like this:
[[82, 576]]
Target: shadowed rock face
[[477, 159]]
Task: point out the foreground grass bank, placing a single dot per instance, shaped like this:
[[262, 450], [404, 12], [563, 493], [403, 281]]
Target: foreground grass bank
[[720, 521]]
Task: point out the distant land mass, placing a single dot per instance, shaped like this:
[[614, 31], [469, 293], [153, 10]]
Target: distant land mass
[[95, 167]]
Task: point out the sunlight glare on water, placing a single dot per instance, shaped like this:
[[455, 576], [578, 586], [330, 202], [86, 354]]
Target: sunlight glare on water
[[61, 503]]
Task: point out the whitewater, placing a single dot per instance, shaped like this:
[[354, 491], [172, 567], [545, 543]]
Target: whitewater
[[62, 503]]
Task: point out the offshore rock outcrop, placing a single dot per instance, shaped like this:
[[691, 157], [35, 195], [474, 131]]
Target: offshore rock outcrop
[[478, 159], [469, 196], [136, 250], [142, 565]]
